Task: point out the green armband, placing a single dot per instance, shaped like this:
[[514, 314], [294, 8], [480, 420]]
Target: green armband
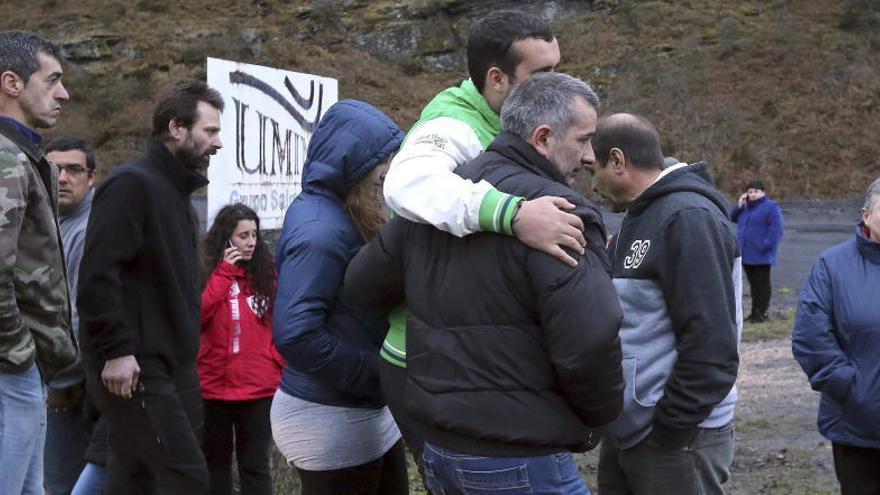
[[497, 211]]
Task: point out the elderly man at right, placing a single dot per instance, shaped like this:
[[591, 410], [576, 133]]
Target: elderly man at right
[[837, 342]]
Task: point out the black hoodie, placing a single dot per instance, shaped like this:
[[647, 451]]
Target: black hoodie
[[510, 352], [677, 272]]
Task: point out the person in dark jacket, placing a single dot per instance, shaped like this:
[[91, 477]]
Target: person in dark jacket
[[513, 356], [677, 271], [138, 300], [759, 229], [328, 418], [835, 340]]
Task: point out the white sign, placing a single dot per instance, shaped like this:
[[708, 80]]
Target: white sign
[[268, 121]]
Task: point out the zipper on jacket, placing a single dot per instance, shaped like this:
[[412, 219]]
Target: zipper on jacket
[[617, 240]]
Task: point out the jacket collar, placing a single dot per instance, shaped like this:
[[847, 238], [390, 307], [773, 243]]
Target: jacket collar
[[23, 137], [688, 178], [491, 119], [184, 179], [757, 201], [525, 155], [868, 248]]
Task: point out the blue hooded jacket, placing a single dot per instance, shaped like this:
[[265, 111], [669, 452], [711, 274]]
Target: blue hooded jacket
[[331, 347], [759, 229], [837, 340]]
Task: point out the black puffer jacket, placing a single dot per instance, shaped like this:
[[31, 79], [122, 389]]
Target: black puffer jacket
[[510, 352]]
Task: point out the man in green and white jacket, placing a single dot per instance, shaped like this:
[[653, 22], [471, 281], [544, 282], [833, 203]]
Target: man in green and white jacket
[[504, 48]]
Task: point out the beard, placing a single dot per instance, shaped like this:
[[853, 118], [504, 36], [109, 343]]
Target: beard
[[189, 157], [192, 160]]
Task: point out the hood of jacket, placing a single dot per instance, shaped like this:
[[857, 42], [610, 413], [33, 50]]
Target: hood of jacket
[[690, 178], [349, 142]]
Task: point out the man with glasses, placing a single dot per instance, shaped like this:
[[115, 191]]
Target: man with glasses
[[36, 341], [70, 419]]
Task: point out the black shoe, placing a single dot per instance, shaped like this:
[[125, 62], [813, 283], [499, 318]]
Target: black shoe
[[756, 318]]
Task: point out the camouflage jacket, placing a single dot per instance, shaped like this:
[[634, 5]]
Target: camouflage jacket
[[34, 298]]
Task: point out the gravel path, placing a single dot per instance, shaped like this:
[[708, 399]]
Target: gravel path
[[778, 449]]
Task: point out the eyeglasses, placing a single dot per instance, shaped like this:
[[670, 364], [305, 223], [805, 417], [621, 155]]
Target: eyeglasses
[[72, 170]]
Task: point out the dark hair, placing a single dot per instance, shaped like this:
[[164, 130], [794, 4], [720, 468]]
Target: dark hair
[[632, 134], [756, 184], [260, 268], [491, 42], [181, 103], [18, 52], [67, 143]]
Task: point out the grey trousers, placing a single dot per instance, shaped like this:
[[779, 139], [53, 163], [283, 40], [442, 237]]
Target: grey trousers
[[649, 469]]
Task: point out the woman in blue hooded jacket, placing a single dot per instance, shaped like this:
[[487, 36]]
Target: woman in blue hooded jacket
[[759, 230], [836, 341], [328, 417]]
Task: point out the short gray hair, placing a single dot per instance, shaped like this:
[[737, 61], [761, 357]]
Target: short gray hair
[[546, 98], [872, 195], [18, 52]]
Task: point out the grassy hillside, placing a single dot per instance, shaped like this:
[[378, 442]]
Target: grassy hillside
[[782, 89]]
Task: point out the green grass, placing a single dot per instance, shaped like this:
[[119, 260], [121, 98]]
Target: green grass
[[777, 327]]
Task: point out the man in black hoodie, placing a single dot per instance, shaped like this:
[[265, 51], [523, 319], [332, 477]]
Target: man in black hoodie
[[676, 267], [139, 300], [513, 356]]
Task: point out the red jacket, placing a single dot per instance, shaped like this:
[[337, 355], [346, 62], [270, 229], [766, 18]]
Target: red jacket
[[237, 359]]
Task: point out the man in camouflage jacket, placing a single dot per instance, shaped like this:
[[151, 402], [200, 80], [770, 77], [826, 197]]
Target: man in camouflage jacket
[[36, 341]]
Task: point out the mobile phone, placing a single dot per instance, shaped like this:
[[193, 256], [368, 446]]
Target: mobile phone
[[229, 243]]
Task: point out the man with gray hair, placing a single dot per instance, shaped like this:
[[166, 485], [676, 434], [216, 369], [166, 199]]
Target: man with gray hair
[[35, 333], [514, 356]]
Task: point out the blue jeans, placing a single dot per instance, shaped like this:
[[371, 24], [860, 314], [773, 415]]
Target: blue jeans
[[91, 481], [451, 473], [67, 438], [22, 432]]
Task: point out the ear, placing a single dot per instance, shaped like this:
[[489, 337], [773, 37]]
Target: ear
[[11, 84], [497, 80], [865, 214], [176, 130], [617, 160], [540, 139]]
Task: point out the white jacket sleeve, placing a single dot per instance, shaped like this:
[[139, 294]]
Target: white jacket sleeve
[[421, 186]]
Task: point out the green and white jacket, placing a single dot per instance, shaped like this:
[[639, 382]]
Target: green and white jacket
[[421, 186]]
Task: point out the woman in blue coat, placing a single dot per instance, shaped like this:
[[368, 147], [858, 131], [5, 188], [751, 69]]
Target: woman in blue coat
[[837, 342], [759, 229], [328, 417]]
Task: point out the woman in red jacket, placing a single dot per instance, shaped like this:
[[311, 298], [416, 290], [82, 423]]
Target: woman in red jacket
[[239, 368]]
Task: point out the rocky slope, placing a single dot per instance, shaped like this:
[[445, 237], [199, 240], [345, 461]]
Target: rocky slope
[[782, 89]]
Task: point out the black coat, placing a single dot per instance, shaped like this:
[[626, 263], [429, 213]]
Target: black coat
[[509, 351], [139, 278]]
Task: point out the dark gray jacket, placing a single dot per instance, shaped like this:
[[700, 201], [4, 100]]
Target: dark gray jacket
[[509, 351], [677, 271]]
